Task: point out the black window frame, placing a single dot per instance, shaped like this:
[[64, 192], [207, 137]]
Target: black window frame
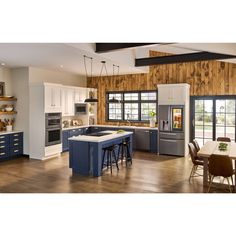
[[214, 98], [139, 101]]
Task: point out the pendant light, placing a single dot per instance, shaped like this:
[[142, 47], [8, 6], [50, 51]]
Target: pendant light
[[91, 98], [114, 100]]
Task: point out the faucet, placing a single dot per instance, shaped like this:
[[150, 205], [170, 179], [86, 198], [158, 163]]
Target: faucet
[[128, 119]]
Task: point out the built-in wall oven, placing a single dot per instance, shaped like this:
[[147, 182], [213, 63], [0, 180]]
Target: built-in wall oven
[[53, 129]]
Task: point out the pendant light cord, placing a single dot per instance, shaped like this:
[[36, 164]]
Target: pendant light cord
[[91, 65], [103, 66]]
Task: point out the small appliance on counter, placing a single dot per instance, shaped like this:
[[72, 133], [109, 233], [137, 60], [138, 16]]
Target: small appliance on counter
[[76, 122]]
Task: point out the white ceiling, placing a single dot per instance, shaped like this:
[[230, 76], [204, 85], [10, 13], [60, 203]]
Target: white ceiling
[[68, 57]]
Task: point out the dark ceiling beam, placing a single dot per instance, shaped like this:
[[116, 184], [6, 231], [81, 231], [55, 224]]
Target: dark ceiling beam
[[180, 58], [106, 47]]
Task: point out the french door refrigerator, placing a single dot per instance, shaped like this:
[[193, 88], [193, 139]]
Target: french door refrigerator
[[171, 129]]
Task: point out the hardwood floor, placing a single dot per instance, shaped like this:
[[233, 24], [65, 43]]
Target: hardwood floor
[[148, 174]]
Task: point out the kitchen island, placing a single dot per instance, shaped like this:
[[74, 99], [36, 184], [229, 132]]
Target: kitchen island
[[85, 151]]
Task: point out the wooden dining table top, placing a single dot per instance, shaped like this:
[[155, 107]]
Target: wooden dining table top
[[211, 147]]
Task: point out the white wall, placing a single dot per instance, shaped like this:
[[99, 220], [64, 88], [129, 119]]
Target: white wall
[[5, 76], [18, 82], [37, 75], [20, 89]]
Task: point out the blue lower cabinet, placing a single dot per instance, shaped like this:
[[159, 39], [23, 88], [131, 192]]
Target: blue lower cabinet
[[65, 141], [66, 134], [153, 141], [16, 144], [75, 132], [11, 145]]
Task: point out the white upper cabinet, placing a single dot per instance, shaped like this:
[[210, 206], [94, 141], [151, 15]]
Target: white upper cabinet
[[173, 94], [80, 94], [52, 98], [67, 101]]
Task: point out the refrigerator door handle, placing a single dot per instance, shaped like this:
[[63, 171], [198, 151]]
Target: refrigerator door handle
[[193, 122], [170, 134], [169, 140]]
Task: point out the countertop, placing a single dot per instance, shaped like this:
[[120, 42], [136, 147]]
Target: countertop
[[12, 132], [112, 126], [114, 135]]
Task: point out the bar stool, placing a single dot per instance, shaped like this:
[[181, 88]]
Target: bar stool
[[110, 156], [124, 148]]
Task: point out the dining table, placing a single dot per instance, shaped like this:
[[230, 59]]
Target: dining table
[[211, 147]]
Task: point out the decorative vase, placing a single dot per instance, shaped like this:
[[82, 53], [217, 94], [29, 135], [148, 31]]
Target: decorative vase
[[152, 123], [8, 128]]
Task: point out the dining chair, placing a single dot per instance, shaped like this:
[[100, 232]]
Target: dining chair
[[195, 143], [220, 165], [223, 139], [197, 161]]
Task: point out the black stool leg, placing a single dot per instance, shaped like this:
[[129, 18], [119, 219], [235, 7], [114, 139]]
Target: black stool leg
[[103, 158], [116, 159], [119, 152], [107, 159], [110, 160], [128, 156]]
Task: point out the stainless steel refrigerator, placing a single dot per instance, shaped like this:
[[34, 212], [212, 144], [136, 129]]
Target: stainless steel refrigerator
[[171, 129]]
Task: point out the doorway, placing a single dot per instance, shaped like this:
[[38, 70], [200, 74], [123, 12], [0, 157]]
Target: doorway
[[212, 117]]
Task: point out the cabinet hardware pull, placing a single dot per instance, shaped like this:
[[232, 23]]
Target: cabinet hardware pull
[[16, 144], [2, 137], [2, 141], [16, 135], [16, 150], [2, 153], [16, 139], [2, 146]]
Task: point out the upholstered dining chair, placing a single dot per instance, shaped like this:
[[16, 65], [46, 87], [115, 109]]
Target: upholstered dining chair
[[223, 139], [195, 143], [197, 161], [220, 165]]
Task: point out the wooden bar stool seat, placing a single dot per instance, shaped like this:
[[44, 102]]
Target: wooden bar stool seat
[[110, 158], [124, 151]]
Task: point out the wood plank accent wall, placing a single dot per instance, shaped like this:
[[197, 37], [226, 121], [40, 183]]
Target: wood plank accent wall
[[205, 78]]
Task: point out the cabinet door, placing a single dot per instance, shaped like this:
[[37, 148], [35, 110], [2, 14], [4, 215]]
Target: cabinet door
[[70, 102], [77, 95], [65, 142], [164, 95], [153, 141], [63, 102], [48, 98], [57, 98], [67, 97], [178, 95], [75, 132]]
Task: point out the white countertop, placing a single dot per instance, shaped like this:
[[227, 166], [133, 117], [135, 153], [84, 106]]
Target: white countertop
[[12, 132], [112, 126], [87, 138]]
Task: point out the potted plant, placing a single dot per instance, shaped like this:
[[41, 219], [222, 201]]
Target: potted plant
[[152, 115]]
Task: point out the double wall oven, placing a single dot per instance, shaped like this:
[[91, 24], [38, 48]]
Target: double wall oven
[[53, 128]]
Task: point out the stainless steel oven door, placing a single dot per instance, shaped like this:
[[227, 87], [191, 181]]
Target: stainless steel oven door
[[52, 120], [53, 136]]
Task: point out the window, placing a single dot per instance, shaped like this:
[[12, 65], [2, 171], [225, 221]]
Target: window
[[213, 117], [115, 109], [132, 106]]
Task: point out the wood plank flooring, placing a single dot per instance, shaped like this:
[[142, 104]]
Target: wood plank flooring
[[149, 173]]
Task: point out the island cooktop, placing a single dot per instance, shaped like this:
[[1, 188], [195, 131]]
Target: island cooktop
[[99, 134]]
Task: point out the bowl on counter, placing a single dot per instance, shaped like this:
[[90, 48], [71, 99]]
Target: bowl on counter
[[8, 108]]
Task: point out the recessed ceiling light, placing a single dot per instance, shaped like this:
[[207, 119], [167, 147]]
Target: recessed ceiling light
[[3, 64], [61, 66]]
